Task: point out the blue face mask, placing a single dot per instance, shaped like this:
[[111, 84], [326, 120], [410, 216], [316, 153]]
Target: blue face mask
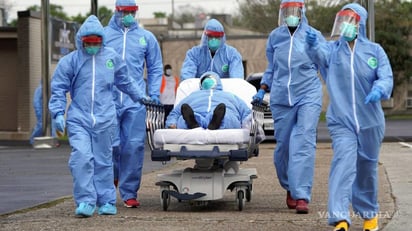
[[213, 44], [292, 21], [208, 83], [92, 50], [348, 31], [128, 20]]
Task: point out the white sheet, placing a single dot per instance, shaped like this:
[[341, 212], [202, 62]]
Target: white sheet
[[200, 136]]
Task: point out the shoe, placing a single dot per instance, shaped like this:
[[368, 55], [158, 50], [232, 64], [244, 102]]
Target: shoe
[[189, 116], [302, 206], [85, 210], [107, 209], [290, 202], [131, 203], [116, 183], [371, 225], [218, 115], [341, 226]]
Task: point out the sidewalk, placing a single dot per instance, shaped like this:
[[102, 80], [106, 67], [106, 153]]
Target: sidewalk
[[266, 210]]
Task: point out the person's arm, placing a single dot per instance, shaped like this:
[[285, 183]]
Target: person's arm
[[190, 64], [60, 85], [384, 81], [154, 65], [236, 64], [124, 82]]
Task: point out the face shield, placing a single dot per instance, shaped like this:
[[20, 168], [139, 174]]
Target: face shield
[[128, 14], [208, 81], [290, 13], [214, 39], [346, 25], [92, 44]]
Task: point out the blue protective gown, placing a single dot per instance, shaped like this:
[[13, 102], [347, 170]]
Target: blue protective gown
[[91, 117], [38, 111], [137, 46], [227, 61], [295, 102], [203, 103], [356, 128]]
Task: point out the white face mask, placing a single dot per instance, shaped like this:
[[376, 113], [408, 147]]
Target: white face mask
[[168, 72]]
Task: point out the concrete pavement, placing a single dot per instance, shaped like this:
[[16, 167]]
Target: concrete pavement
[[266, 210]]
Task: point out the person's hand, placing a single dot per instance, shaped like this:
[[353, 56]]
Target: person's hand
[[155, 99], [373, 97], [259, 96], [311, 38], [172, 126], [60, 123]]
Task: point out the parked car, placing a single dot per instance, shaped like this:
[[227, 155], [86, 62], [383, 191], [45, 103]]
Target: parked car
[[268, 127]]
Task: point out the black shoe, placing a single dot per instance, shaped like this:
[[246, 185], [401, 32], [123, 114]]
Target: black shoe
[[217, 117], [189, 116]]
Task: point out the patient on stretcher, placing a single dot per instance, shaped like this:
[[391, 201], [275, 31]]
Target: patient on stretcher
[[209, 108]]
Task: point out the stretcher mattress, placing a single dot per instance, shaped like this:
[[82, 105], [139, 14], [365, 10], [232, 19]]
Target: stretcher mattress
[[200, 136]]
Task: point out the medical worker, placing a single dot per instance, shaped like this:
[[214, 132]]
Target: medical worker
[[38, 111], [89, 74], [358, 76], [138, 47], [295, 101], [209, 107], [213, 54]]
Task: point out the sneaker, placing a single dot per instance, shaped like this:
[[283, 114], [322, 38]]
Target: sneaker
[[85, 210], [218, 115], [290, 202], [189, 116], [107, 209], [302, 206], [341, 226], [131, 203], [371, 225]]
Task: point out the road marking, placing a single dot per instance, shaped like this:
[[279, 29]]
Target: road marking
[[405, 144]]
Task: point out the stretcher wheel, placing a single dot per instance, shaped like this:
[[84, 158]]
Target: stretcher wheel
[[248, 193], [240, 199], [165, 199]]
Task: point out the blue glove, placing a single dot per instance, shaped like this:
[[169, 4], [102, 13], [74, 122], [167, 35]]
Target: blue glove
[[60, 124], [373, 97], [259, 96], [155, 99], [311, 38]]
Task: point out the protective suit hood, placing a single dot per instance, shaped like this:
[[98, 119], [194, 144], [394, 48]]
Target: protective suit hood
[[91, 26], [363, 17], [213, 25], [215, 76]]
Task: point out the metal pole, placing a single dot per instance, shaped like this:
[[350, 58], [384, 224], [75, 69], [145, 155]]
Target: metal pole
[[371, 12], [45, 12], [94, 8]]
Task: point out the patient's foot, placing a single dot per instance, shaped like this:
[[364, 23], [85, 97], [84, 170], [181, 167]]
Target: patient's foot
[[189, 116], [217, 117]]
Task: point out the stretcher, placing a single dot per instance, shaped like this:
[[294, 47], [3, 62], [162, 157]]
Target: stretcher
[[217, 153]]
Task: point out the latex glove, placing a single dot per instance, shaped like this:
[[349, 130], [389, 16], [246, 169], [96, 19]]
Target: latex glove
[[155, 99], [259, 96], [311, 38], [373, 97], [60, 124]]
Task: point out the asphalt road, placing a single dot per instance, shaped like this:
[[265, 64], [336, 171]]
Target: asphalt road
[[30, 177]]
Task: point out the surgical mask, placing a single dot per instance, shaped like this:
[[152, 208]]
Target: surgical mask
[[292, 21], [213, 44], [348, 31], [92, 50], [208, 83], [168, 72], [128, 20]]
